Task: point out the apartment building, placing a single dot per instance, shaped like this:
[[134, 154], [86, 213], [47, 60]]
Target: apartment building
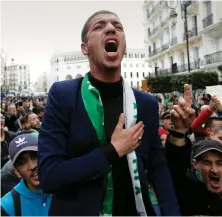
[[165, 38]]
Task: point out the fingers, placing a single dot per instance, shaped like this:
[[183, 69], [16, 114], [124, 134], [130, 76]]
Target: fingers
[[121, 121], [136, 127], [181, 111], [138, 134], [187, 95]]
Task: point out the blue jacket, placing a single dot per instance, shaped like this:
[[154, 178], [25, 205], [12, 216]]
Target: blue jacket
[[72, 165], [33, 203]]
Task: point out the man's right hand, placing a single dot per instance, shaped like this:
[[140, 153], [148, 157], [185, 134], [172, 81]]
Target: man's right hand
[[126, 140]]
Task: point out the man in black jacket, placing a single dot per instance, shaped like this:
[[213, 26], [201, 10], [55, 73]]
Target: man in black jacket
[[199, 192]]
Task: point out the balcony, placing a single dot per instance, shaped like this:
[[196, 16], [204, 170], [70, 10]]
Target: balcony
[[150, 13], [191, 33], [184, 67], [153, 31], [213, 58], [208, 21], [164, 22], [165, 46], [173, 41]]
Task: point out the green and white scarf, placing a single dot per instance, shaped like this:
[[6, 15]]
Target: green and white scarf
[[94, 108]]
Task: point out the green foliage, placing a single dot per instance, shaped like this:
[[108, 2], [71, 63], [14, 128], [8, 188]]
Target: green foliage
[[175, 82], [220, 68]]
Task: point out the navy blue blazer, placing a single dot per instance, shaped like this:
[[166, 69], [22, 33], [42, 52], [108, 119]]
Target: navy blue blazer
[[73, 166]]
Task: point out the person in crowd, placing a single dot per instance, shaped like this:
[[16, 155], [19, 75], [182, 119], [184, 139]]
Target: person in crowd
[[27, 107], [87, 145], [20, 109], [31, 121], [169, 106], [198, 191], [12, 119], [163, 135], [40, 113], [210, 126], [6, 137], [26, 198], [217, 134], [166, 120], [206, 112]]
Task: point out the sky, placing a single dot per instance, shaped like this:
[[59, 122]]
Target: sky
[[32, 31]]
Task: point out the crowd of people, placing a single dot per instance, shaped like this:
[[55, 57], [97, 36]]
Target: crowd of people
[[96, 146]]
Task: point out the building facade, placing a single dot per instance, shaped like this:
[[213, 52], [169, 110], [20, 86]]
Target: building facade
[[42, 83], [2, 81], [69, 65], [17, 77], [165, 40]]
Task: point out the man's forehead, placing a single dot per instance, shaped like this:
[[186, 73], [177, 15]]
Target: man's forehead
[[211, 154], [104, 18]]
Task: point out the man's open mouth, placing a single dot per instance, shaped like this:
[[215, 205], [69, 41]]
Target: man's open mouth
[[214, 180], [35, 174], [111, 46]]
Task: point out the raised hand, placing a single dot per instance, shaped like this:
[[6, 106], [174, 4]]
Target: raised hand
[[126, 140], [182, 115]]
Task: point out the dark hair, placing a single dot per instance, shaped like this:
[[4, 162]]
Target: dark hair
[[86, 25], [39, 110], [210, 121]]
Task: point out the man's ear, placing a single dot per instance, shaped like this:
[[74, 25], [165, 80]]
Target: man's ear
[[208, 131], [195, 163], [84, 48], [17, 173]]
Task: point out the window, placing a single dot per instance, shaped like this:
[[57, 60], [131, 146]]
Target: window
[[137, 65], [124, 74], [137, 74], [138, 84], [131, 83], [131, 65], [78, 66], [124, 65], [20, 67], [24, 67], [68, 67], [143, 74], [57, 69], [57, 78], [131, 74], [143, 65]]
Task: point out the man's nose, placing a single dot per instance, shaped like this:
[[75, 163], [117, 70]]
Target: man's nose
[[110, 29], [214, 168], [32, 164]]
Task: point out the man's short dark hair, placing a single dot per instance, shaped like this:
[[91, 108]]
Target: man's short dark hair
[[86, 25], [218, 129], [209, 122], [39, 110]]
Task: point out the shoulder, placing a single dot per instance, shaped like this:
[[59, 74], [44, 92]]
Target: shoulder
[[145, 99], [8, 204], [65, 86]]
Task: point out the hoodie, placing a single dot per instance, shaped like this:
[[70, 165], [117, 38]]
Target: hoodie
[[33, 203]]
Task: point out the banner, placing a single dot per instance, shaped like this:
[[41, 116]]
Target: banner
[[215, 90]]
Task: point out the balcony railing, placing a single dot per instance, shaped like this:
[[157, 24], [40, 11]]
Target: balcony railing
[[153, 31], [150, 13], [191, 33], [213, 58], [159, 50], [173, 41], [184, 67], [207, 21], [164, 22], [165, 46]]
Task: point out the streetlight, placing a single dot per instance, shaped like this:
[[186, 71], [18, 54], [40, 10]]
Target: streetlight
[[173, 15]]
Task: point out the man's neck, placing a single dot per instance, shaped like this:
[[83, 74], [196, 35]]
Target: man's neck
[[2, 136], [106, 76]]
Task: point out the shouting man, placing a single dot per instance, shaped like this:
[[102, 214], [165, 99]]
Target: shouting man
[[99, 144]]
